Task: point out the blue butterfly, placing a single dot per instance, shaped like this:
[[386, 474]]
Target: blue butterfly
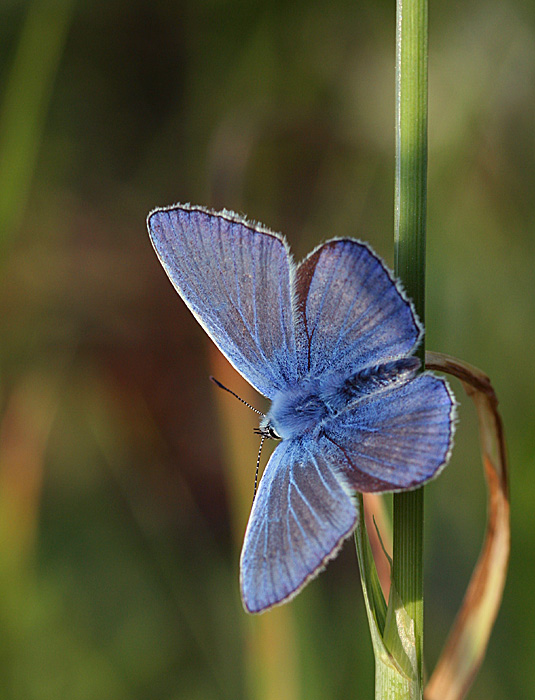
[[330, 342]]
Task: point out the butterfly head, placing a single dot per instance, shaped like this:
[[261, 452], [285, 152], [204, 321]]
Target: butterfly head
[[266, 430]]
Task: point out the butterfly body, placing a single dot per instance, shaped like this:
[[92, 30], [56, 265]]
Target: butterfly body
[[309, 404], [330, 341]]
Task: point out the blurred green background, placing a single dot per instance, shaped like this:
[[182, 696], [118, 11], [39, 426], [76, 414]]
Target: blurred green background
[[124, 479]]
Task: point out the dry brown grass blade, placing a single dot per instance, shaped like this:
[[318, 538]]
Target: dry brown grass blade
[[466, 645], [379, 529]]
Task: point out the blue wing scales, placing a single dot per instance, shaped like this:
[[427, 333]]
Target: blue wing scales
[[300, 517], [355, 314], [393, 439], [235, 278]]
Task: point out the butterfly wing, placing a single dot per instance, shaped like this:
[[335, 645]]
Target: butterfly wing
[[355, 314], [235, 278], [300, 517], [393, 439]]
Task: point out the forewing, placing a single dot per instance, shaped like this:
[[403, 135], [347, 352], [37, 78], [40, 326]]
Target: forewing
[[393, 439], [355, 314], [300, 517], [235, 278]]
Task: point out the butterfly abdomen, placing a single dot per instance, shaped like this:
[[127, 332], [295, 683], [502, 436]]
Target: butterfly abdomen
[[374, 378], [338, 392]]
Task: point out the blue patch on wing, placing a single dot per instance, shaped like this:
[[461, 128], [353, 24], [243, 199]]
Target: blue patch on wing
[[355, 314], [395, 438], [300, 517], [235, 278]]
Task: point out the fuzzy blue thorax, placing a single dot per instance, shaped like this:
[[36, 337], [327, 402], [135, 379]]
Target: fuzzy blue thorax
[[310, 403]]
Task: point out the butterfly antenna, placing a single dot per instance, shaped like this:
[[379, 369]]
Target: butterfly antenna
[[264, 435], [258, 466], [222, 386]]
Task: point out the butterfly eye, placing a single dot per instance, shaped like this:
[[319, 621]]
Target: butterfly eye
[[267, 431], [272, 433]]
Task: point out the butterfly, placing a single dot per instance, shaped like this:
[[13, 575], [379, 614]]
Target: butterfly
[[330, 342]]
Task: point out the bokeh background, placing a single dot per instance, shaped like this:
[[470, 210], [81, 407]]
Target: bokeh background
[[125, 477]]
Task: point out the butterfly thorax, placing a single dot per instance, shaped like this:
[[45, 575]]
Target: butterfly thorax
[[311, 402]]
